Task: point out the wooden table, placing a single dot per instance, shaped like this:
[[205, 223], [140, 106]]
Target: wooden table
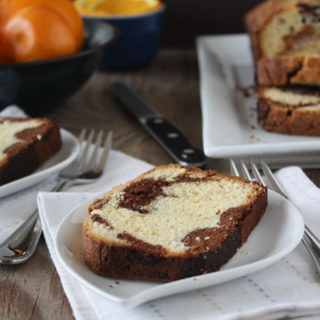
[[171, 85]]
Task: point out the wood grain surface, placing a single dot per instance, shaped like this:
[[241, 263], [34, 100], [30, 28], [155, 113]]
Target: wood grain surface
[[171, 85]]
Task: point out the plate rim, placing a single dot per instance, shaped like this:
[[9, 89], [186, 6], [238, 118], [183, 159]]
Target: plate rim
[[41, 174], [239, 150], [142, 297]]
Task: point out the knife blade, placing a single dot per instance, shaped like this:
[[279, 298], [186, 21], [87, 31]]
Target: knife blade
[[166, 134]]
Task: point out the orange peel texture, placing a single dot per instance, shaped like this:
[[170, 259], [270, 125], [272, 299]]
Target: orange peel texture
[[117, 7], [32, 30]]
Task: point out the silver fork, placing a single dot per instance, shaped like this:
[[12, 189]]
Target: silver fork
[[309, 239], [88, 167]]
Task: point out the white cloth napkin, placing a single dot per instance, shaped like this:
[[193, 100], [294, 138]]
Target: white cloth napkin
[[288, 289], [304, 193]]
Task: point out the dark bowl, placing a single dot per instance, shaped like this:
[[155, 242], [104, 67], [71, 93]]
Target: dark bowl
[[38, 87], [138, 40]]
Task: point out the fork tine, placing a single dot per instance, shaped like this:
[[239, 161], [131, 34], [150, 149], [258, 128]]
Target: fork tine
[[81, 154], [256, 173], [233, 168], [271, 178], [92, 161], [106, 149], [312, 236], [245, 170], [81, 136], [85, 150]]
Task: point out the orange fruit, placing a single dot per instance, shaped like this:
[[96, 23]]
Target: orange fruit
[[38, 29], [116, 7], [37, 33]]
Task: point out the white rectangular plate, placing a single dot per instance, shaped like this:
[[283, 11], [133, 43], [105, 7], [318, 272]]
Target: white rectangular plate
[[230, 127], [281, 219]]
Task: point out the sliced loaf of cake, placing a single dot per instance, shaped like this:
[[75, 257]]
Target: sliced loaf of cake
[[285, 39], [25, 144], [291, 111], [170, 223]]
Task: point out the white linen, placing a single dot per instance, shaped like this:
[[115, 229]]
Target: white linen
[[288, 289]]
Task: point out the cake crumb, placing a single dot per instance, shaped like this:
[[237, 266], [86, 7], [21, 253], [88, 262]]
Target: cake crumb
[[247, 91], [117, 282]]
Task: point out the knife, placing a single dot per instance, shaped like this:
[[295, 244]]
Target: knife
[[167, 135]]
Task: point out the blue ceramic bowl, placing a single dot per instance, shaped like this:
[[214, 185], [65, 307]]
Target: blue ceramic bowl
[[137, 43], [38, 87]]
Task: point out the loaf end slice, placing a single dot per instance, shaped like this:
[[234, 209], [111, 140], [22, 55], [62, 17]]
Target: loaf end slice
[[289, 110]]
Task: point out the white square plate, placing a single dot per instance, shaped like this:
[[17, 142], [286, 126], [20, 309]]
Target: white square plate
[[230, 128], [281, 219]]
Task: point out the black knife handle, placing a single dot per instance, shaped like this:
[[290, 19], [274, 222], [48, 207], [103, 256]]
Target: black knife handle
[[173, 142]]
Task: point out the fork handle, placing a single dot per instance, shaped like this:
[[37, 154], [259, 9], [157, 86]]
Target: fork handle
[[32, 237], [309, 246], [313, 239], [23, 231]]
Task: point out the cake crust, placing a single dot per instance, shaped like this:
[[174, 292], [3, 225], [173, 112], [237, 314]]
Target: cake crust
[[289, 65], [35, 146], [289, 118], [284, 71], [137, 259]]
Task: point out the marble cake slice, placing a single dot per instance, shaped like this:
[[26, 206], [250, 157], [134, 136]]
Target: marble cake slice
[[170, 223], [25, 144]]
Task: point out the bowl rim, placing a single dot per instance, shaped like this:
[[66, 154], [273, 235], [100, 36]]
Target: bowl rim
[[115, 33], [123, 17]]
